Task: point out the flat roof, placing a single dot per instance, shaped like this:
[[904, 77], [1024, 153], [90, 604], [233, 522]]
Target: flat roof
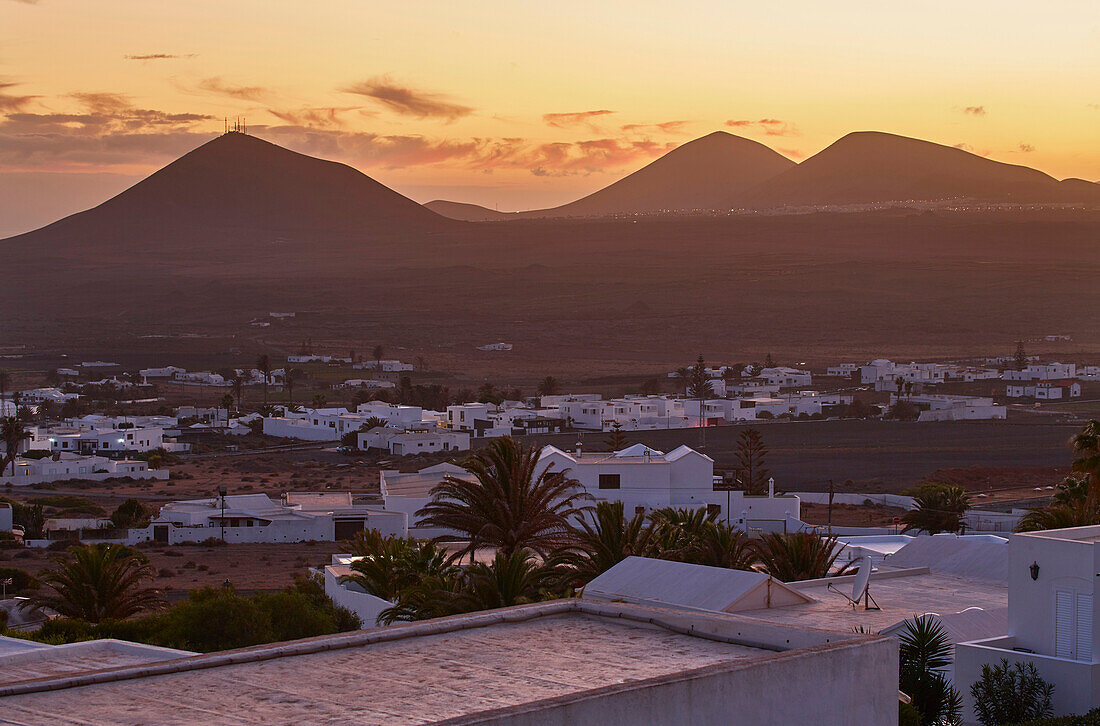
[[52, 661], [901, 594], [418, 673]]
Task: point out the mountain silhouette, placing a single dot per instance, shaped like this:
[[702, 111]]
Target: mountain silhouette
[[871, 167], [239, 185], [710, 173]]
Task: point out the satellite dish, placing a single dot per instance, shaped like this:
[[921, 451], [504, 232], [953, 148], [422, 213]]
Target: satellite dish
[[863, 579]]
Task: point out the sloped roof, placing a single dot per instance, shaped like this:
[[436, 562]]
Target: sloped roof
[[962, 627], [643, 580], [638, 450], [981, 557]]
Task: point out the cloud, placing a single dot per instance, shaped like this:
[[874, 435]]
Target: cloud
[[406, 101], [1025, 148], [12, 102], [770, 126], [158, 56], [666, 127], [964, 147], [330, 117], [104, 129], [974, 110], [575, 118], [792, 153], [219, 87]]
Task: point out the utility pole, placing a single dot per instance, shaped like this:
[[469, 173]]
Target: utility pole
[[830, 508], [221, 495]]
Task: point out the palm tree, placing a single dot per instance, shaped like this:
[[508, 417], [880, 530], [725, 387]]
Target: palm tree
[[1087, 445], [227, 404], [391, 565], [548, 386], [940, 508], [263, 365], [378, 352], [5, 381], [510, 504], [678, 532], [794, 556], [97, 582], [12, 434], [925, 651], [292, 375], [237, 384], [724, 546], [1071, 490], [605, 538], [1080, 514], [510, 579]]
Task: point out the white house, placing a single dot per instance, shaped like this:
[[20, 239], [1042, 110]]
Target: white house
[[62, 466], [644, 479], [46, 395], [385, 366], [940, 407], [393, 414], [1043, 390], [400, 442], [1052, 618], [785, 377], [299, 517], [1042, 372]]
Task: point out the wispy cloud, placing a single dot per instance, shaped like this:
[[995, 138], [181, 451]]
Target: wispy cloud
[[104, 129], [407, 101], [974, 110], [769, 126], [159, 56], [218, 86], [575, 118], [666, 127], [10, 101], [1025, 148]]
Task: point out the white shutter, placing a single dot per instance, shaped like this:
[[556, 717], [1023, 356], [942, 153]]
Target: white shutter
[[1084, 627], [1063, 624]]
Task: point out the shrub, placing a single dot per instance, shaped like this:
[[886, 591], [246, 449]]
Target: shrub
[[216, 619], [20, 579], [1008, 694], [907, 715], [1092, 718]]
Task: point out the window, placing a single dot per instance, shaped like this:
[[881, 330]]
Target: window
[[609, 481], [1073, 625], [714, 510]]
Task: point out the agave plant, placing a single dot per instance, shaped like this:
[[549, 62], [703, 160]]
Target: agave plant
[[97, 582], [924, 652], [796, 556], [511, 504]]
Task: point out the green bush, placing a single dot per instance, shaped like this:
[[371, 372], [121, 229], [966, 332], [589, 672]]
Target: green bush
[[216, 619], [1008, 694], [1092, 718], [20, 580], [908, 715]]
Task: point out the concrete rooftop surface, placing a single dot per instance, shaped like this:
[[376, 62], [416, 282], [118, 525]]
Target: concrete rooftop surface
[[418, 678], [900, 595]]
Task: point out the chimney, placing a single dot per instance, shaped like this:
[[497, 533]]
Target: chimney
[[771, 487], [578, 448]]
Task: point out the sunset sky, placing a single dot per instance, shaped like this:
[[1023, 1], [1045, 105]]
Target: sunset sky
[[517, 105]]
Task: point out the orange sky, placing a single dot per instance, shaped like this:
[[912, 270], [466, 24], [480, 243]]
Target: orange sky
[[519, 105]]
